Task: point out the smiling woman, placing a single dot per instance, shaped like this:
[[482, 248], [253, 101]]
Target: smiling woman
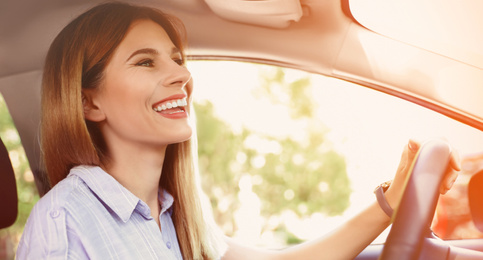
[[130, 93], [100, 88]]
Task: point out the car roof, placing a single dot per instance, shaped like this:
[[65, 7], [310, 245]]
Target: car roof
[[320, 36]]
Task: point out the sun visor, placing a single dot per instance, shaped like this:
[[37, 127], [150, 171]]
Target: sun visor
[[269, 13]]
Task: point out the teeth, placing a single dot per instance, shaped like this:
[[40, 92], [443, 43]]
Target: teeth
[[174, 112], [172, 104]]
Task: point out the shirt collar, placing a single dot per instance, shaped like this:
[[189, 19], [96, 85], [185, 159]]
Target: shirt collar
[[119, 199], [166, 201]]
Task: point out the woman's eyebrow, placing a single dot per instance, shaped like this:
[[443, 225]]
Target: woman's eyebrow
[[143, 51]]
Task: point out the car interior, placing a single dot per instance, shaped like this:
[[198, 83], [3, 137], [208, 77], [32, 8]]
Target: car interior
[[424, 52]]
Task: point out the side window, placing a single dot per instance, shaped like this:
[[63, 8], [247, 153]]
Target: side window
[[286, 156], [26, 189]]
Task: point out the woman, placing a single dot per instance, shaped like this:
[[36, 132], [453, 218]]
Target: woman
[[115, 139]]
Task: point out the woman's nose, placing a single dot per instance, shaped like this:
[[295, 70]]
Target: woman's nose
[[179, 76]]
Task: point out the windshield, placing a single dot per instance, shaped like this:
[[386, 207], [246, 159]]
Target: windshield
[[286, 156]]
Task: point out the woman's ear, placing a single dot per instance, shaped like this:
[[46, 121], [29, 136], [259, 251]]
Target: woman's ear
[[92, 111]]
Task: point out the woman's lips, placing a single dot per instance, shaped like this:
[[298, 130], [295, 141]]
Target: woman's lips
[[173, 108]]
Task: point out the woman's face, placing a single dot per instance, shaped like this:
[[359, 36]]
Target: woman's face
[[142, 98]]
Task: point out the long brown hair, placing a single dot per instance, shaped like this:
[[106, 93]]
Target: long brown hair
[[76, 60]]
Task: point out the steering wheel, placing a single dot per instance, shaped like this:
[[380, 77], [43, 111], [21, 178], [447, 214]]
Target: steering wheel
[[412, 219]]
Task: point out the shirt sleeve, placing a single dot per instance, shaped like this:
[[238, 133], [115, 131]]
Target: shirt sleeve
[[45, 235]]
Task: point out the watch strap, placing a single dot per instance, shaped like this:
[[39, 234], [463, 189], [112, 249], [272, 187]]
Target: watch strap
[[381, 199]]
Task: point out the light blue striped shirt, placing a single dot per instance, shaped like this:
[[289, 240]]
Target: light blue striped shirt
[[89, 215]]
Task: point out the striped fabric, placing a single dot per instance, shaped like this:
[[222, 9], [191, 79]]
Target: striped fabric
[[89, 215]]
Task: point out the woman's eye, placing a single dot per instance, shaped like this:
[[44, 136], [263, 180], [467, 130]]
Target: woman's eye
[[146, 63]]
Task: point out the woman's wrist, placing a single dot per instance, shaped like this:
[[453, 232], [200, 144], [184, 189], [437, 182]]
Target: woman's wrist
[[382, 199]]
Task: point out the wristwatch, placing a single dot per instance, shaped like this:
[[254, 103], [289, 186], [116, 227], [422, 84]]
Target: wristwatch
[[381, 198]]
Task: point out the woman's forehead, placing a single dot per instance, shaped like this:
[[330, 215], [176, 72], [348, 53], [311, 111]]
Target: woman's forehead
[[145, 34]]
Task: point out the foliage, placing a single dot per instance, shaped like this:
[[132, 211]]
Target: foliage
[[294, 95], [26, 189], [303, 177]]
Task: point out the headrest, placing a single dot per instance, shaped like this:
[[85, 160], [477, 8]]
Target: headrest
[[8, 190], [475, 198]]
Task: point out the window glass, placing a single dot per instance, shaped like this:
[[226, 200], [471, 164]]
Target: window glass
[[287, 156], [26, 189]]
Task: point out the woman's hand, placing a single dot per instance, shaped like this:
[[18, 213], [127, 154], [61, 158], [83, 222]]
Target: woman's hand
[[394, 193]]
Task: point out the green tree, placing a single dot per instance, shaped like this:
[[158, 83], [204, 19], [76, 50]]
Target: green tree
[[304, 177], [217, 149], [293, 94], [26, 189]]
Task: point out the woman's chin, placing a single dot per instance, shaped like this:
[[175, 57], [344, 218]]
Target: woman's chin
[[183, 136]]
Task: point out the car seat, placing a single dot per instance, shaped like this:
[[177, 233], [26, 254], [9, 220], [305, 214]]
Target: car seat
[[8, 190]]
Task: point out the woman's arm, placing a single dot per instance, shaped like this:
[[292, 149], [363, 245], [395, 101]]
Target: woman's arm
[[346, 242], [352, 237]]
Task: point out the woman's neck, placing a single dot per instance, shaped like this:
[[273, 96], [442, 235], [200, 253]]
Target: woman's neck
[[139, 170]]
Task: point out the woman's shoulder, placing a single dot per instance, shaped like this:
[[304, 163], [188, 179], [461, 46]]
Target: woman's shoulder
[[64, 199], [86, 190], [45, 233], [61, 194]]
